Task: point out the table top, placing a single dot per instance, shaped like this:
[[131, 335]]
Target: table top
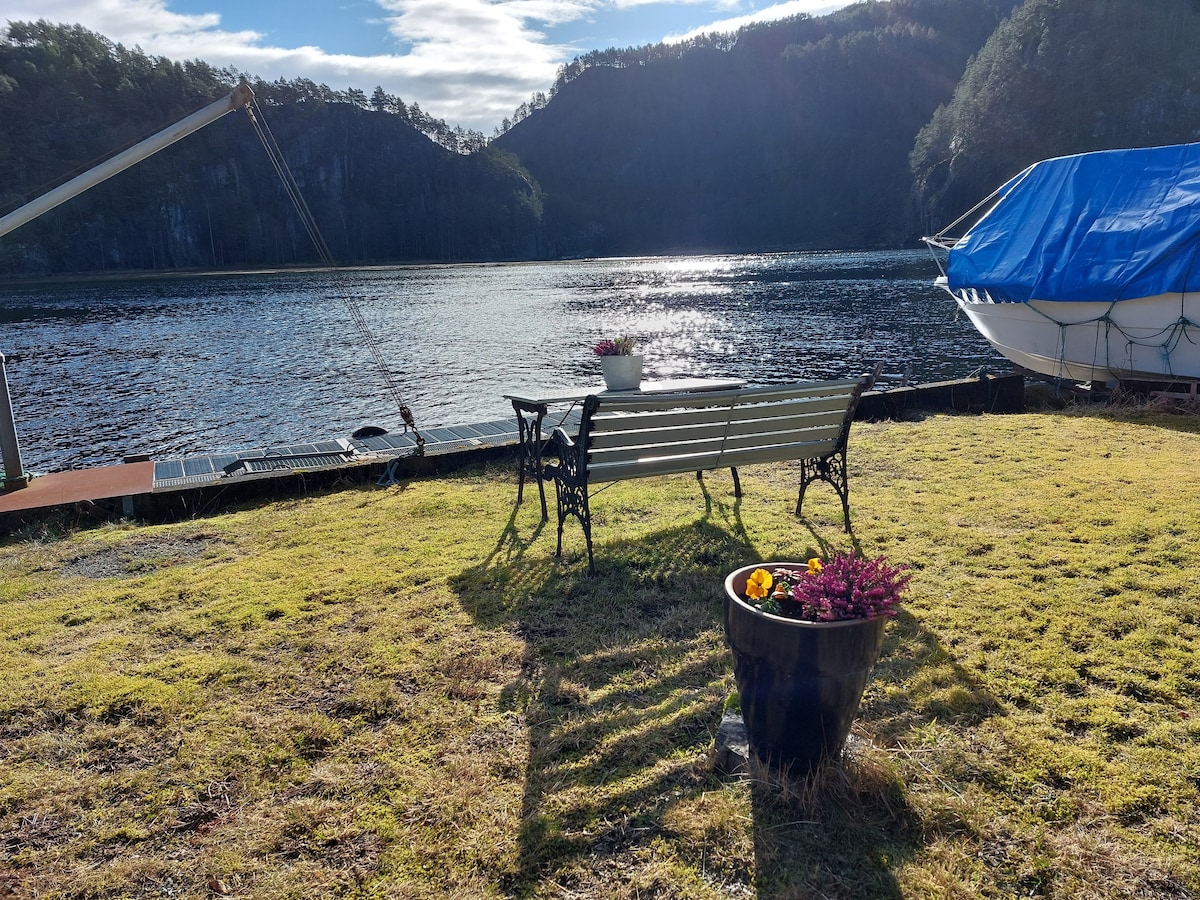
[[541, 396]]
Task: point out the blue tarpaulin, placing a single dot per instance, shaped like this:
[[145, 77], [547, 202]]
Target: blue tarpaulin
[[1111, 225]]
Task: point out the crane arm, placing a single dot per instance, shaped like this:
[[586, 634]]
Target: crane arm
[[241, 97]]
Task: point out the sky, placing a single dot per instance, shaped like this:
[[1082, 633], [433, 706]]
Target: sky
[[470, 62]]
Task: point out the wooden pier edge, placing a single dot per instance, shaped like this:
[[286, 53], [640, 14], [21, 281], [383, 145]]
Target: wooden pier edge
[[984, 394]]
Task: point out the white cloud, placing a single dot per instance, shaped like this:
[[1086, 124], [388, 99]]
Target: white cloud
[[720, 4], [473, 61], [470, 62], [768, 14], [457, 37], [144, 23]]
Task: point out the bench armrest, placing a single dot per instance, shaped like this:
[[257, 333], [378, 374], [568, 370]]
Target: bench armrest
[[570, 469], [560, 441]]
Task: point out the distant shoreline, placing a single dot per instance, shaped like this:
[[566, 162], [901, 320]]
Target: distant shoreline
[[152, 274]]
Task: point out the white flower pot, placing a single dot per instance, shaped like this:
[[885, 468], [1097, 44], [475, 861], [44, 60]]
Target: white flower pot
[[622, 373]]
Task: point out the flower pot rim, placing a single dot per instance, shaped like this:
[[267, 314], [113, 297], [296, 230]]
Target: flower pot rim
[[754, 610]]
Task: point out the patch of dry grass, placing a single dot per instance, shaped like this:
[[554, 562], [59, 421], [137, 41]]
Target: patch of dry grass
[[402, 693]]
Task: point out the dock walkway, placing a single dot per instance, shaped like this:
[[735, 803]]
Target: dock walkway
[[138, 476], [189, 484]]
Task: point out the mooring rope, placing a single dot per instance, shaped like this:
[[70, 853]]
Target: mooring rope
[[290, 185], [1165, 340]]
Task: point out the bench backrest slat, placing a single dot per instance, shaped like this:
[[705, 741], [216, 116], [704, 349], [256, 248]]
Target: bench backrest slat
[[824, 433], [700, 399], [638, 436], [662, 427], [606, 469]]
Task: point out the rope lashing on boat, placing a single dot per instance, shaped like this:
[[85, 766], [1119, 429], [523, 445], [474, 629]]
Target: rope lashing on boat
[[1171, 336], [290, 185]]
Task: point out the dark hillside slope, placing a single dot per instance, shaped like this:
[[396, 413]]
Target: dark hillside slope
[[379, 188], [1061, 77], [797, 135]]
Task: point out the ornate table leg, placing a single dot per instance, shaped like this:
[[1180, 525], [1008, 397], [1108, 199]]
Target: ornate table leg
[[529, 430]]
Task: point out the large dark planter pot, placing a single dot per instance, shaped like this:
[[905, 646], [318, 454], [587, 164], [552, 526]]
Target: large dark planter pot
[[799, 683]]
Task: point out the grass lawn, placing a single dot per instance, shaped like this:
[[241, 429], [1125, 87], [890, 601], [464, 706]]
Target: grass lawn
[[401, 692]]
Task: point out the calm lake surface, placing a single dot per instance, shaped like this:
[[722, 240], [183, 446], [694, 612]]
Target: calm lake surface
[[178, 366]]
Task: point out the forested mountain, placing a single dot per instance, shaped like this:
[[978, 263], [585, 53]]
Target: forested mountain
[[379, 187], [1061, 77], [796, 135], [864, 128]]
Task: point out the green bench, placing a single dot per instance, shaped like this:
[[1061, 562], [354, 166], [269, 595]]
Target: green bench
[[628, 436]]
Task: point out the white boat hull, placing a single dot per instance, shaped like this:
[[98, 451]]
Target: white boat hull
[[1147, 339]]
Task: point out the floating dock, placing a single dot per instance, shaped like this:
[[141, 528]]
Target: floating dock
[[192, 485]]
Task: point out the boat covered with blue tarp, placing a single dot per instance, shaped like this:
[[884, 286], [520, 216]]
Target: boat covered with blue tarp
[[1086, 266]]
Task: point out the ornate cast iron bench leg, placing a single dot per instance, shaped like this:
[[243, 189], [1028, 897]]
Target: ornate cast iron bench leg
[[831, 470], [573, 501]]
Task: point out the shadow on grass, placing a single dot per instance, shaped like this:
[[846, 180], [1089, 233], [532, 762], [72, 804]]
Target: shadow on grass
[[511, 546], [949, 694], [845, 831], [841, 833], [623, 683]]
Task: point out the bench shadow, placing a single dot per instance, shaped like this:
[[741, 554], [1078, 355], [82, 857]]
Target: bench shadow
[[623, 682]]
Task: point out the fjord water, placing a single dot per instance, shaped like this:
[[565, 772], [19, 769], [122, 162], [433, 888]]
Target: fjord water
[[178, 366]]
